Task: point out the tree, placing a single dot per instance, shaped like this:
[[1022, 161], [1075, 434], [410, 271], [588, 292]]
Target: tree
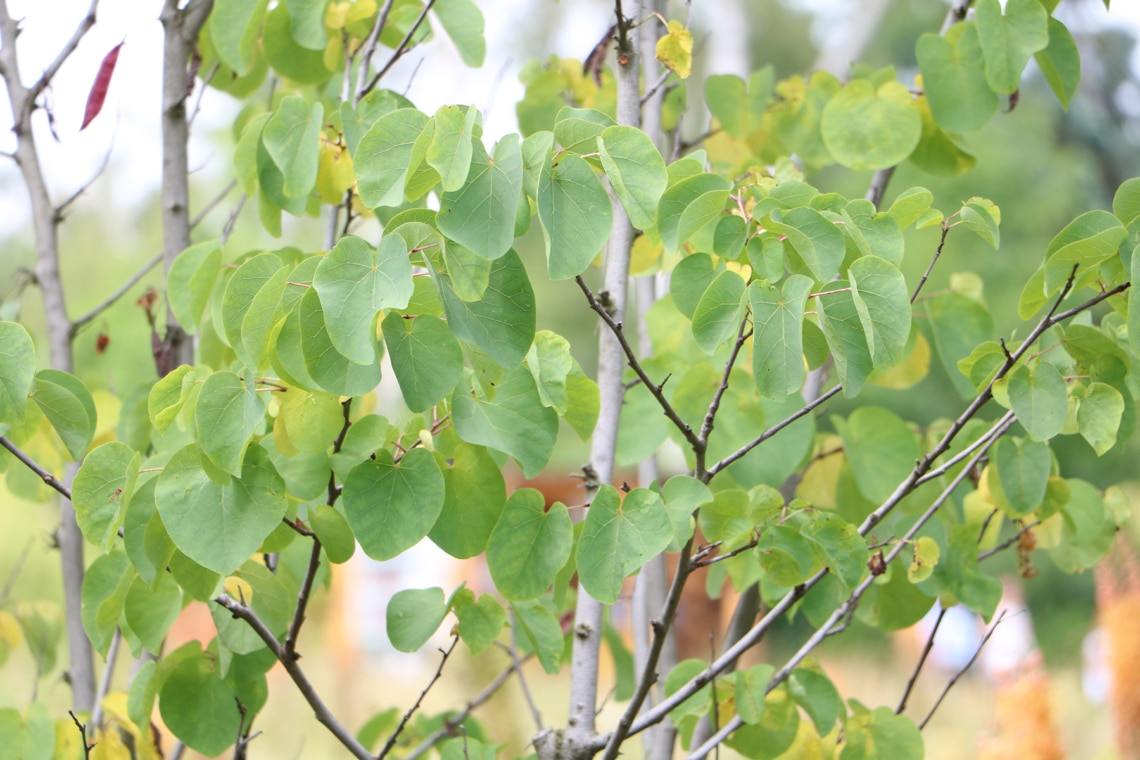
[[256, 456]]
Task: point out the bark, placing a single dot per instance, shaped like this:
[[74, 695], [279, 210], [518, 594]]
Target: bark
[[45, 224]]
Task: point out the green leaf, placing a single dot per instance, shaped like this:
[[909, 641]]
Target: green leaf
[[716, 317], [910, 205], [1060, 63], [551, 363], [391, 506], [683, 495], [982, 217], [218, 526], [1039, 397], [817, 695], [1023, 471], [785, 555], [463, 22], [468, 274], [739, 112], [814, 237], [425, 356], [636, 172], [1098, 416], [1084, 243], [290, 60], [105, 586], [883, 304], [450, 150], [877, 231], [101, 488], [529, 545], [198, 707], [882, 734], [954, 78], [1126, 201], [840, 323], [68, 406], [481, 214], [480, 622], [514, 421], [234, 28], [354, 281], [542, 630], [334, 533], [938, 153], [381, 159], [777, 340], [1009, 40], [292, 138], [190, 281], [681, 674], [839, 546], [750, 691], [502, 322], [620, 536], [240, 290], [226, 415], [958, 574], [311, 419], [18, 359], [261, 317], [473, 501], [869, 128], [705, 194], [309, 23], [584, 403], [689, 281], [881, 449], [414, 616], [959, 324], [150, 612], [577, 129], [576, 215], [327, 368]]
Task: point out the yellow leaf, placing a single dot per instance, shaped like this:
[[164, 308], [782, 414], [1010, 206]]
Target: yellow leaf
[[644, 255], [675, 50], [336, 15], [334, 173], [109, 745], [910, 370], [239, 589]]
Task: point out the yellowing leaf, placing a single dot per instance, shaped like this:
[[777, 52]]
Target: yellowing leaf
[[644, 255], [675, 49], [926, 553], [239, 589]]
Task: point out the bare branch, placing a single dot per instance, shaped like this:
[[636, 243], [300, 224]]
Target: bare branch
[[82, 735], [513, 652], [290, 646], [402, 48], [631, 358], [742, 335], [31, 464], [105, 680], [962, 672], [85, 25], [61, 208], [1009, 542], [293, 668], [212, 204], [122, 290], [388, 745], [921, 661], [449, 726], [368, 50], [933, 261]]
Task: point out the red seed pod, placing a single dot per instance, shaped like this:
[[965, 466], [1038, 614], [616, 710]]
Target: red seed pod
[[102, 342], [99, 89]]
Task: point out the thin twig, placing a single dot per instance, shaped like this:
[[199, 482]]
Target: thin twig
[[921, 661], [105, 680], [212, 204], [1010, 542], [31, 464], [933, 261], [82, 735], [290, 646], [451, 723], [402, 48], [12, 576], [619, 332], [53, 68], [656, 86], [388, 745], [742, 335], [293, 668], [77, 324], [367, 51], [962, 672], [61, 208], [513, 652]]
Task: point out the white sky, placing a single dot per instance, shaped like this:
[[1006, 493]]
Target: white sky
[[131, 114]]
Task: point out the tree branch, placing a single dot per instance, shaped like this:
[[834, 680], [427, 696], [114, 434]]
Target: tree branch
[[962, 672], [921, 661], [388, 745], [78, 323], [32, 465], [85, 25], [295, 672], [742, 335], [402, 48], [368, 50], [657, 390]]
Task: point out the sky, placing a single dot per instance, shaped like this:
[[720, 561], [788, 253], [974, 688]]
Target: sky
[[128, 125]]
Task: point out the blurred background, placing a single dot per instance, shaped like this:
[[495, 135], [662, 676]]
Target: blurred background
[[1041, 165]]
